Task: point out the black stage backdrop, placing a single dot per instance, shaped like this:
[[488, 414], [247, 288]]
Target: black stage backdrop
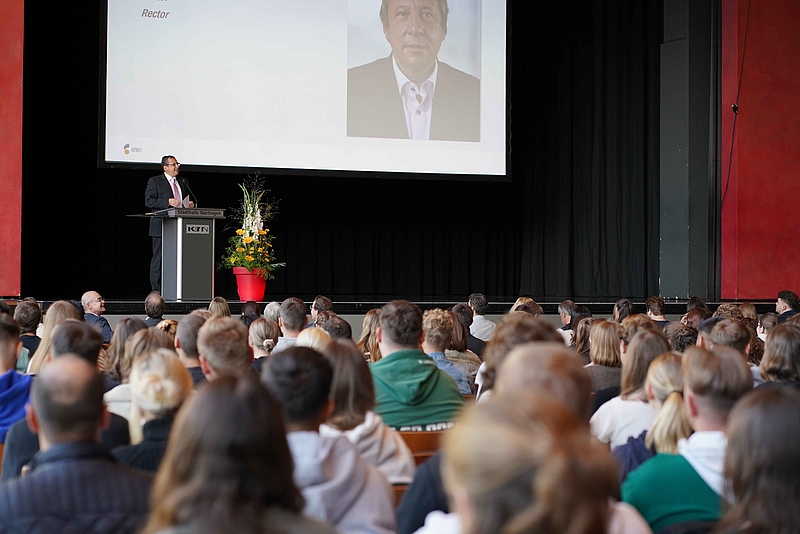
[[579, 217]]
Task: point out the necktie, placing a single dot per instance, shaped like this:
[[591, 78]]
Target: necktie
[[175, 193]]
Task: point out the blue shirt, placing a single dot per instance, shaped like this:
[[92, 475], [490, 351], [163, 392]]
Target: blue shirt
[[460, 375]]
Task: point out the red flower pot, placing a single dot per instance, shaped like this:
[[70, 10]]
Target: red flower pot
[[251, 284]]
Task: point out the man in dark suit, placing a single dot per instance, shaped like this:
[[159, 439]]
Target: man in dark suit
[[410, 94], [164, 191], [93, 308], [74, 484]]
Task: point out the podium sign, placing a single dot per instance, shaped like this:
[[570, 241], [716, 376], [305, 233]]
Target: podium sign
[[188, 257]]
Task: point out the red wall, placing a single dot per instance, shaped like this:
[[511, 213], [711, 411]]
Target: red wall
[[760, 219], [11, 33]]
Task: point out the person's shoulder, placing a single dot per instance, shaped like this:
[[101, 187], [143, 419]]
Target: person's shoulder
[[369, 69], [458, 76]]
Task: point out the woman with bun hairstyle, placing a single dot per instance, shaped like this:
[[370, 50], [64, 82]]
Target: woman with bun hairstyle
[[159, 383], [264, 335], [664, 389]]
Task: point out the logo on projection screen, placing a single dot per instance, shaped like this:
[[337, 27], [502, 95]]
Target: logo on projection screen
[[127, 148]]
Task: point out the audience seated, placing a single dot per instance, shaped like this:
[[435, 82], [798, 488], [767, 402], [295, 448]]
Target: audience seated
[[159, 384], [74, 485], [169, 327], [734, 334], [622, 309], [339, 487], [216, 476], [565, 310], [681, 337], [712, 382], [438, 328], [118, 399], [787, 305], [481, 327], [765, 323], [186, 346], [154, 308], [664, 388], [320, 304], [338, 328], [629, 414], [250, 312], [473, 343], [694, 316], [28, 315], [262, 337], [272, 311], [57, 313], [353, 396], [704, 329], [14, 387], [367, 342], [605, 368], [762, 463], [292, 321], [582, 328], [76, 338], [411, 392], [313, 338], [223, 349]]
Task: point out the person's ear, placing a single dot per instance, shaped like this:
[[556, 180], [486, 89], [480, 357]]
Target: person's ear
[[31, 419], [378, 334], [105, 418], [691, 403], [177, 343], [649, 390], [421, 337], [204, 366], [747, 350]]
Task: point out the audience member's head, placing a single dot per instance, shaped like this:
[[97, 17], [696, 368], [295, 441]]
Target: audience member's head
[[664, 387], [92, 302], [338, 328], [478, 303], [78, 339], [787, 300], [654, 306], [748, 311], [202, 312], [550, 369], [695, 315], [222, 344], [728, 311], [292, 317], [604, 343], [645, 347], [227, 462], [320, 304], [528, 305], [273, 311], [169, 327], [300, 379], [682, 337], [159, 385], [140, 342], [712, 383], [622, 309], [762, 463], [465, 312], [565, 309], [28, 315], [218, 307], [313, 338], [250, 312], [582, 326], [9, 342], [730, 333], [781, 361], [67, 402], [631, 326], [697, 303], [399, 327], [368, 341], [116, 348], [57, 313], [438, 327], [766, 322], [154, 305], [526, 465], [459, 341], [704, 329], [186, 336], [352, 390], [512, 330], [263, 335]]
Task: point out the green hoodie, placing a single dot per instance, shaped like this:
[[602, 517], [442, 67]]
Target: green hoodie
[[410, 391]]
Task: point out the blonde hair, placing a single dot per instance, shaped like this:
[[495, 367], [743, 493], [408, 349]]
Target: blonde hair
[[57, 313], [633, 323], [218, 307], [169, 327], [313, 338], [671, 423], [604, 343], [367, 343], [527, 464], [438, 327], [264, 334], [534, 308], [159, 384], [140, 342]]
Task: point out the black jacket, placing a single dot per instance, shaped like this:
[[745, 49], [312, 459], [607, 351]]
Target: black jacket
[[147, 455]]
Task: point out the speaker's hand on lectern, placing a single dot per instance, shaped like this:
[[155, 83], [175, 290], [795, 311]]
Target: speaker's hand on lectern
[[175, 203], [191, 204]]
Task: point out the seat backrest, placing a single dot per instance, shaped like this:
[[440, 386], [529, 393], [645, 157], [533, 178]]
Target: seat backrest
[[398, 490], [423, 445]]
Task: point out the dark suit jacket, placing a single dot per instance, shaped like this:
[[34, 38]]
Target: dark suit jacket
[[22, 444], [157, 195], [76, 487], [375, 107], [101, 323]]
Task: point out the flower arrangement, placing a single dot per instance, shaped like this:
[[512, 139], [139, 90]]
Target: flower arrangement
[[251, 246]]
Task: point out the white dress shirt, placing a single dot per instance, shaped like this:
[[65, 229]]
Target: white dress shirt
[[172, 180], [417, 102]]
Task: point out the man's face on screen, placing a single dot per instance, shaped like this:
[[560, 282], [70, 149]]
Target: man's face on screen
[[415, 29]]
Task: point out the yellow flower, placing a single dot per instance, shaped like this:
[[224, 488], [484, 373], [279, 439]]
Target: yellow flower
[[240, 249], [233, 260], [240, 231], [261, 232], [247, 240], [261, 249], [249, 258]]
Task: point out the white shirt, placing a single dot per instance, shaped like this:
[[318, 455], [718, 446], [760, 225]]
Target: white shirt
[[417, 102], [173, 180], [617, 420]]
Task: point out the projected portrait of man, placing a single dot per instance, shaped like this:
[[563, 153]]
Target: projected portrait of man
[[411, 94]]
